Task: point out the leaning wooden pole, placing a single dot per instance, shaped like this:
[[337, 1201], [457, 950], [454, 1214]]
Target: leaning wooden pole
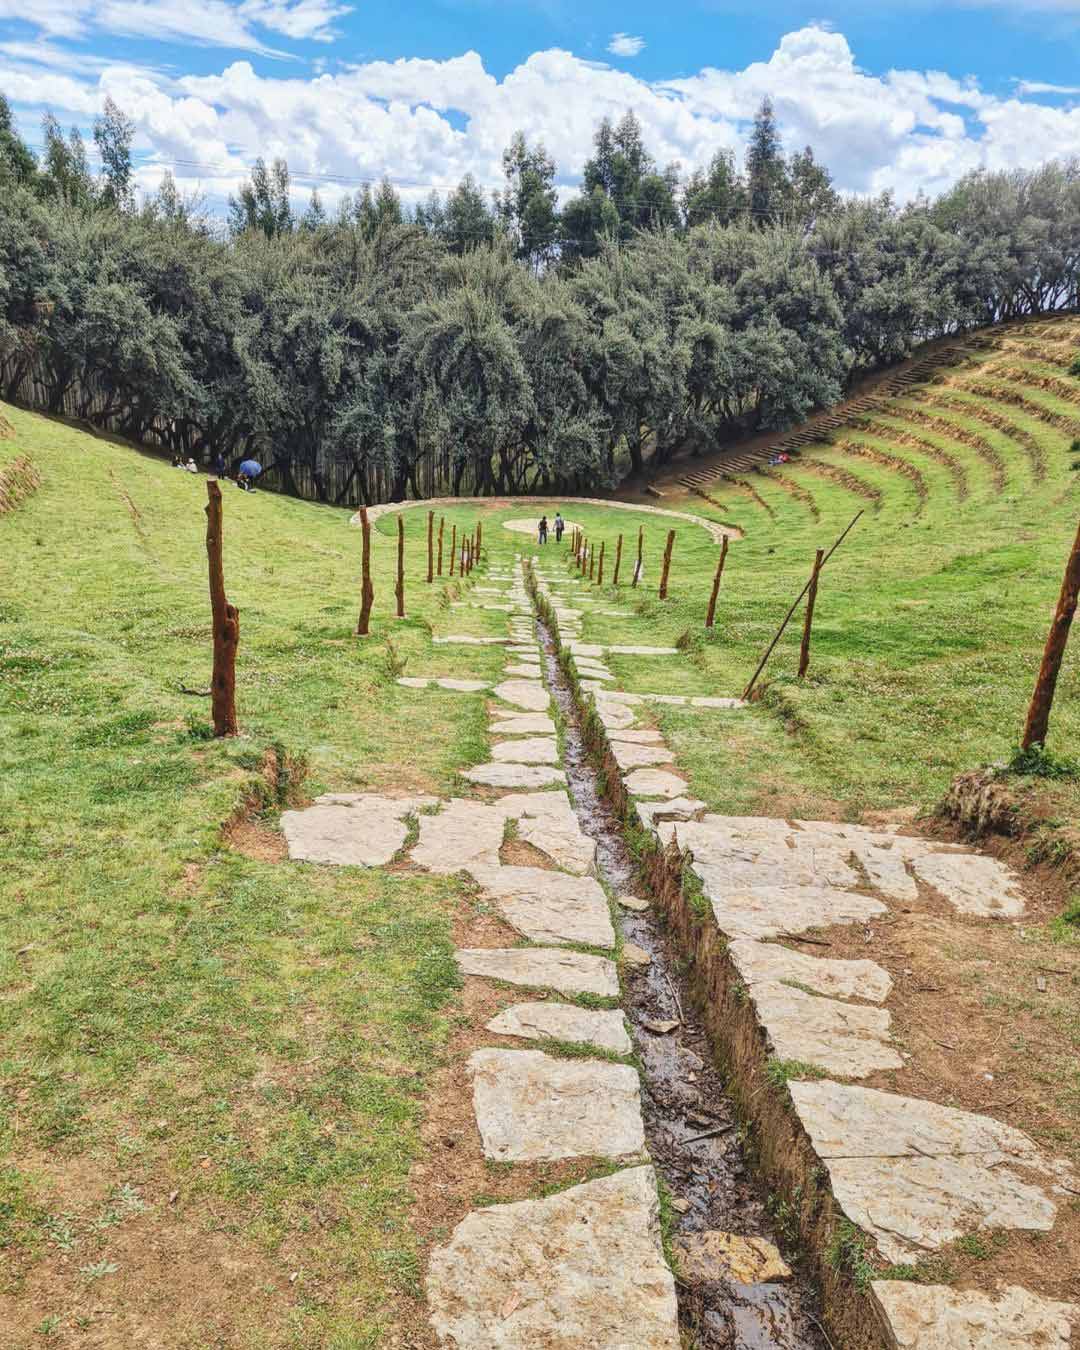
[[808, 622], [618, 560], [442, 527], [787, 617], [667, 564], [400, 589], [226, 622], [430, 547], [600, 569], [367, 591], [710, 617], [640, 547], [453, 547], [592, 563], [479, 537], [1038, 718]]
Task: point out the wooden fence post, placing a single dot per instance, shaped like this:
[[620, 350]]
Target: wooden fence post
[[1038, 718], [367, 591], [479, 538], [600, 572], [640, 544], [667, 564], [811, 597], [592, 563], [710, 617], [453, 547], [225, 619], [401, 565], [583, 557], [618, 560], [430, 547], [442, 526]]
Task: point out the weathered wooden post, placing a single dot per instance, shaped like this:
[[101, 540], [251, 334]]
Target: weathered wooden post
[[811, 597], [1038, 718], [618, 560], [640, 545], [592, 563], [710, 617], [225, 619], [367, 591], [479, 538], [453, 548], [442, 526], [430, 547], [667, 564], [600, 569], [401, 565], [583, 556]]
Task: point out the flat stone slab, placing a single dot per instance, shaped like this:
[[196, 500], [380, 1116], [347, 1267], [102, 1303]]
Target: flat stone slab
[[770, 911], [973, 883], [542, 968], [532, 1107], [708, 702], [583, 1268], [654, 783], [843, 1038], [678, 808], [630, 756], [604, 1029], [549, 906], [559, 835], [714, 1255], [527, 750], [615, 716], [735, 857], [922, 1316], [514, 775], [467, 640], [917, 1175], [507, 724], [413, 682], [758, 962], [351, 829], [528, 694], [523, 671], [646, 737], [462, 686], [464, 834]]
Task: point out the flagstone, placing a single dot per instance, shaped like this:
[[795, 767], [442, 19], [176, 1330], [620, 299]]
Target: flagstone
[[542, 968], [718, 703], [360, 829], [528, 694], [532, 1107], [604, 1029], [580, 1268], [413, 682], [678, 808], [843, 1038], [768, 911], [527, 750], [630, 756], [522, 725], [648, 737], [654, 783], [467, 640], [614, 716], [464, 833], [514, 775], [524, 671], [549, 907], [973, 883], [917, 1175], [921, 1316], [757, 962], [463, 686]]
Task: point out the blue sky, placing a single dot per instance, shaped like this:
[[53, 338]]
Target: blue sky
[[892, 95]]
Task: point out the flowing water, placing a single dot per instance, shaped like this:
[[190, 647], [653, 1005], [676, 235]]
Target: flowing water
[[690, 1123]]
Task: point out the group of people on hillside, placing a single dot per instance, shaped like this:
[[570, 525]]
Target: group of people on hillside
[[542, 528], [245, 478]]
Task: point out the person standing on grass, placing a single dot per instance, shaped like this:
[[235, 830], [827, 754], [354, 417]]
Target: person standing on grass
[[218, 465], [542, 529], [560, 525]]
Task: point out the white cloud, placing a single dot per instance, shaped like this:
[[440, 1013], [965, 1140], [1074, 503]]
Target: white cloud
[[1036, 87], [426, 123], [624, 44]]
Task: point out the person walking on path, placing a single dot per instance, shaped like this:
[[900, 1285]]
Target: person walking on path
[[543, 529], [560, 525]]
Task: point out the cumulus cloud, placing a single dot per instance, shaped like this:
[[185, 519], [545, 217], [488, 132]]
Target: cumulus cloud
[[1037, 87], [426, 123], [624, 44]]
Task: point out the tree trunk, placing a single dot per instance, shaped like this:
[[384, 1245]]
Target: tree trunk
[[710, 617], [400, 590], [430, 547], [453, 548], [225, 619], [1038, 718], [367, 591], [667, 564], [442, 526], [811, 598], [618, 560]]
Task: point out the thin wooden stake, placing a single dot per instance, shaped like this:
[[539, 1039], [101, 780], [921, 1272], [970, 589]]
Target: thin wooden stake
[[710, 617], [592, 563], [401, 565], [225, 619], [794, 607], [811, 597], [430, 547], [1038, 718], [600, 573], [640, 545], [442, 526], [479, 538], [367, 591], [453, 548], [667, 564], [618, 560]]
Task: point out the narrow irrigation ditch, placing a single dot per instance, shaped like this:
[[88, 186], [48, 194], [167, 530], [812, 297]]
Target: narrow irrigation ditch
[[692, 1125]]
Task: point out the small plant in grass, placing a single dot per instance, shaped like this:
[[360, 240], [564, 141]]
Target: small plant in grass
[[98, 1270], [847, 1251], [779, 1072], [1038, 762], [1074, 369], [393, 663]]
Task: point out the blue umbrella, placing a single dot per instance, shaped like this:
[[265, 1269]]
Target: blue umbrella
[[251, 467]]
